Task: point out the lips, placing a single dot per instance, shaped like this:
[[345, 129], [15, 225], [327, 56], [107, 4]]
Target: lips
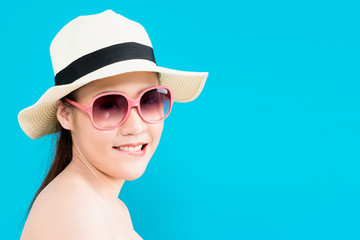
[[135, 149], [132, 144]]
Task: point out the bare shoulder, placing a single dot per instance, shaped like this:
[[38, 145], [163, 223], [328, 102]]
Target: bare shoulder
[[72, 212]]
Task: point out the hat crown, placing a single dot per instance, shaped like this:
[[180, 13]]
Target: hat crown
[[86, 34]]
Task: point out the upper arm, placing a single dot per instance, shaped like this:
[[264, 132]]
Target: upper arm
[[85, 221], [73, 215]]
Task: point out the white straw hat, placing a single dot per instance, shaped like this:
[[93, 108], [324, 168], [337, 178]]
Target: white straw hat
[[94, 47]]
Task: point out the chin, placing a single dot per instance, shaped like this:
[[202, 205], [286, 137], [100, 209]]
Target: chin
[[131, 168], [134, 175], [132, 172]]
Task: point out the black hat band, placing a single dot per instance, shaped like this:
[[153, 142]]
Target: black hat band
[[101, 58]]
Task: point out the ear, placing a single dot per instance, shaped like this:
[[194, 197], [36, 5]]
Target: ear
[[64, 115]]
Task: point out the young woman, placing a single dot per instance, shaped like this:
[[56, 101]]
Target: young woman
[[107, 106]]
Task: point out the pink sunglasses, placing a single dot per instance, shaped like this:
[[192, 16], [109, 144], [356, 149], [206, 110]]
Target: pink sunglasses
[[110, 110]]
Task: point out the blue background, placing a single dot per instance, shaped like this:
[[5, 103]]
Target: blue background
[[269, 150]]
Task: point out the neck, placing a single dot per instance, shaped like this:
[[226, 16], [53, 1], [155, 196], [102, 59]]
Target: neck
[[107, 187]]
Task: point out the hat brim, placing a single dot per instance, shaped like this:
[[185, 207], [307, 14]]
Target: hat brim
[[40, 119]]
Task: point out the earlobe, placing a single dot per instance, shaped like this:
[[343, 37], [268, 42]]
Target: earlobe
[[64, 115]]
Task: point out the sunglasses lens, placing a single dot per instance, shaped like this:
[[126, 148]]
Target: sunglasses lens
[[155, 104], [109, 110]]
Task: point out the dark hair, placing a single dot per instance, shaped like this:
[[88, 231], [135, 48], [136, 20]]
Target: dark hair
[[63, 153]]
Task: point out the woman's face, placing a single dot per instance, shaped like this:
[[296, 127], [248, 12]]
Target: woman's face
[[97, 147]]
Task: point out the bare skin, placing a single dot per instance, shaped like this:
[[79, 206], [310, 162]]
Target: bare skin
[[82, 201]]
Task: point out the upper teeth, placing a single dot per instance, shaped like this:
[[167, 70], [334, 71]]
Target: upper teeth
[[131, 149]]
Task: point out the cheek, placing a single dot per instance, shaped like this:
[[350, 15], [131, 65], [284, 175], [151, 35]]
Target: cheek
[[92, 143], [155, 131]]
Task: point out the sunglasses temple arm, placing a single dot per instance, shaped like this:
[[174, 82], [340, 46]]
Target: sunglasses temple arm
[[78, 105]]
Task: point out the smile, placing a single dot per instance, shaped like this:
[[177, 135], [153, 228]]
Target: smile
[[136, 150], [131, 149]]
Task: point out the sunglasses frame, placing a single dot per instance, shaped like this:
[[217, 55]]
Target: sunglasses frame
[[131, 103]]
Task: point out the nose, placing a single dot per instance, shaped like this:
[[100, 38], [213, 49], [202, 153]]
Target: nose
[[134, 124]]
